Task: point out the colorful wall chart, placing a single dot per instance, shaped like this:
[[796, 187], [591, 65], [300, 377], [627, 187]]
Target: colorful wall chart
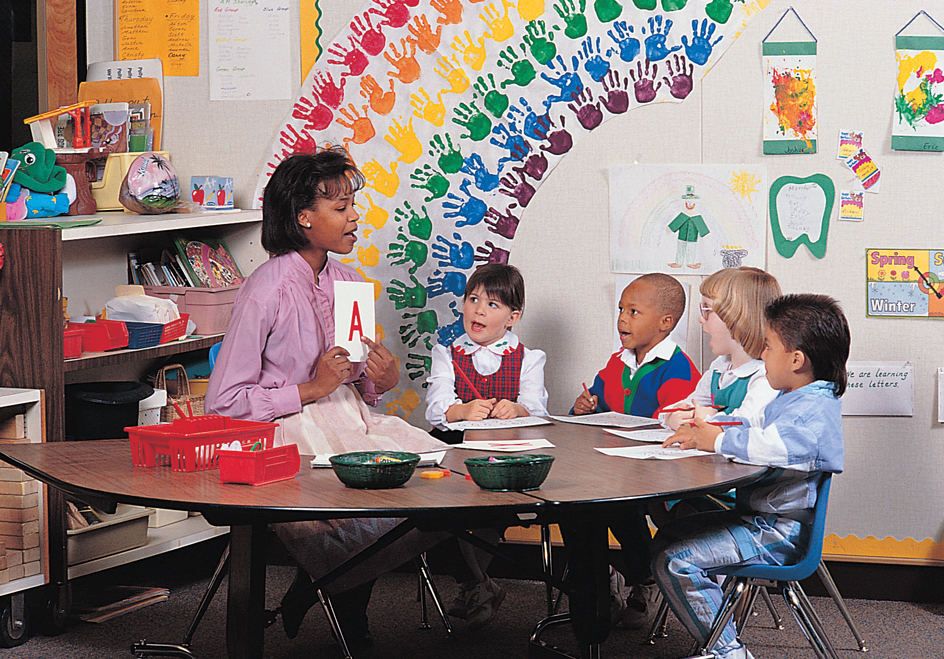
[[918, 123], [905, 283], [687, 220], [456, 111]]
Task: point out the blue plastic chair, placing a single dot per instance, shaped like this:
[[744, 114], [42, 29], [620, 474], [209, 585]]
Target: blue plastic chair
[[214, 351], [742, 583]]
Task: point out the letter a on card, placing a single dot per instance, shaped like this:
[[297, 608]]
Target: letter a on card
[[353, 316]]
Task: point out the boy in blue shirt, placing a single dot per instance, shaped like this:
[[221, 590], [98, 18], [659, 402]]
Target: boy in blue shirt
[[807, 344]]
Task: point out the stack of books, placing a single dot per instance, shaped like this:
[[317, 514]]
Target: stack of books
[[193, 263]]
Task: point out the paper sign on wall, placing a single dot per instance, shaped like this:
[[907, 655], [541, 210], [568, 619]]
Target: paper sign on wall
[[879, 389], [354, 317]]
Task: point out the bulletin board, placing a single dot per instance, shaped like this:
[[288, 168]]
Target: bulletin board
[[562, 237]]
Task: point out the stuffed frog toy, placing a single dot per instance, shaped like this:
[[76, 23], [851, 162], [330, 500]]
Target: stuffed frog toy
[[44, 192]]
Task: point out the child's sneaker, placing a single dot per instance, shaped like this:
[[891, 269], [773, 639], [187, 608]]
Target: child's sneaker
[[617, 605], [460, 605], [641, 606], [484, 600]]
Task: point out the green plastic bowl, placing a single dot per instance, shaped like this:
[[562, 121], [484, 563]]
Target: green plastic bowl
[[374, 470], [509, 473]]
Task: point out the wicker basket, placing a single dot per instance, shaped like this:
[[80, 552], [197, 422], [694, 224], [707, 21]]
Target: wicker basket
[[169, 412], [509, 473], [374, 470]]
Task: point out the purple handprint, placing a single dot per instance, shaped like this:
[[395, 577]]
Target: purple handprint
[[560, 141], [616, 100], [520, 190], [681, 82], [568, 82], [471, 209], [655, 42], [534, 166], [441, 283], [645, 91], [628, 45], [491, 254], [588, 113], [503, 225], [700, 49], [457, 255], [475, 167]]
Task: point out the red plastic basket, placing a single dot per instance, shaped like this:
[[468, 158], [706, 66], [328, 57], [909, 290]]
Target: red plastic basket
[[192, 444], [72, 343], [175, 328], [102, 335], [259, 467], [147, 335]]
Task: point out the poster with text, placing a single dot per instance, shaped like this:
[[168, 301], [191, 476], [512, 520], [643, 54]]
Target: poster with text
[[905, 283]]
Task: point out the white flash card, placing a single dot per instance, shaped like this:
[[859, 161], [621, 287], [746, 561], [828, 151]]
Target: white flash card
[[353, 317]]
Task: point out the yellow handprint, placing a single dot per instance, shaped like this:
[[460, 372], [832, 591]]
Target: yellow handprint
[[425, 108], [368, 256], [472, 54], [531, 10], [384, 182], [405, 404], [501, 27], [453, 74], [373, 215], [403, 139]]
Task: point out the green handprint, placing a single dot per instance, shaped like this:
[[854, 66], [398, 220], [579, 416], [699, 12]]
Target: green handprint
[[719, 10], [408, 251], [426, 324], [450, 159], [573, 17], [431, 180], [540, 42], [522, 70], [478, 124], [609, 10], [647, 5], [421, 366], [419, 226], [404, 296], [495, 102]]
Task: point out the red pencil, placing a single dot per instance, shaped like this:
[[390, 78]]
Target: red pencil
[[468, 381], [585, 388], [669, 408]]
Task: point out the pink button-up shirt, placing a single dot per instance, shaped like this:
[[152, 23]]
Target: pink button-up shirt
[[282, 323]]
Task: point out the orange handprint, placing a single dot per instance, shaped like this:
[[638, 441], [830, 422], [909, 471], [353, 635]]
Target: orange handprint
[[421, 33], [453, 74], [361, 125], [451, 11], [403, 139], [384, 182], [407, 68], [380, 102], [433, 112]]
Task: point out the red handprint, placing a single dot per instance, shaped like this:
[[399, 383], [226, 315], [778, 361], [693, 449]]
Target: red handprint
[[394, 12], [354, 59], [372, 39], [298, 142], [317, 116], [327, 90]]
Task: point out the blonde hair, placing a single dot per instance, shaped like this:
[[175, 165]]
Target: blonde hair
[[739, 297]]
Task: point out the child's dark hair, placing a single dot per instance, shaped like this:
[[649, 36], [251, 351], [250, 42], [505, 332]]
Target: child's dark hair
[[500, 281], [816, 326], [667, 293], [295, 186]]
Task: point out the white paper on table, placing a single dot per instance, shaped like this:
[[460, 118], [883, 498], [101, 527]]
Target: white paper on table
[[426, 459], [354, 317], [490, 424], [652, 435], [608, 419], [652, 452], [506, 445]]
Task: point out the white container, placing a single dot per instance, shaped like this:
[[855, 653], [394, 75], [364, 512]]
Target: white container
[[126, 529], [149, 409], [163, 517]]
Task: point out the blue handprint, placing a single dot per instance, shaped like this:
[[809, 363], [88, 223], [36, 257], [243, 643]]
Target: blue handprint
[[457, 255], [593, 63], [484, 179], [510, 139], [532, 121], [700, 49], [628, 45], [568, 82], [441, 283], [655, 42], [449, 333], [472, 209]]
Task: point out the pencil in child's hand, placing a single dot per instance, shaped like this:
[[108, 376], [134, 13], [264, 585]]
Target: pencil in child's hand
[[723, 423], [585, 388], [670, 409], [468, 381]]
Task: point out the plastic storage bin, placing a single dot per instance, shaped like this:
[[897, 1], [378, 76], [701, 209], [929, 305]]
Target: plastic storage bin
[[102, 410], [146, 335], [192, 444], [259, 467], [102, 335], [209, 308], [126, 529], [72, 343]]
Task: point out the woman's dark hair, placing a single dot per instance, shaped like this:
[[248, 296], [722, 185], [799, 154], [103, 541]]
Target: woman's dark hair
[[295, 186], [816, 326], [500, 281]]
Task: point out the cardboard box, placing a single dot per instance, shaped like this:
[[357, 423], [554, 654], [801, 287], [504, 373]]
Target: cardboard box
[[209, 308], [126, 529]]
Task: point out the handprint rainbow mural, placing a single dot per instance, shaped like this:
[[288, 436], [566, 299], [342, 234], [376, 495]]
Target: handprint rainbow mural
[[457, 110]]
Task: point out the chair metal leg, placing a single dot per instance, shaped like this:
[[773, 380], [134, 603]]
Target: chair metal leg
[[426, 578], [827, 580], [806, 617], [733, 594], [659, 623], [777, 618], [333, 621], [548, 561]]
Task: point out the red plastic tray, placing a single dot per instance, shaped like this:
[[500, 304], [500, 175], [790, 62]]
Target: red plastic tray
[[192, 444], [72, 343], [259, 467], [102, 335]]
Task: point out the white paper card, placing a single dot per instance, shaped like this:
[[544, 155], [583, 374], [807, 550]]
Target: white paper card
[[488, 424], [506, 445], [614, 419], [652, 452], [879, 389], [654, 435], [353, 317]]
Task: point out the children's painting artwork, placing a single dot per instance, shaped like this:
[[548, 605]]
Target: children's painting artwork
[[918, 123], [687, 220], [789, 88], [456, 112], [905, 283], [800, 209]]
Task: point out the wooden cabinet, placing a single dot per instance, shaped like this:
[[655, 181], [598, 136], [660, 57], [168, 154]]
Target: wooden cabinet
[[83, 264]]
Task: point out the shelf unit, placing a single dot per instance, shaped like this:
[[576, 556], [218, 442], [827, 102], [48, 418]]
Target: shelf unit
[[83, 264]]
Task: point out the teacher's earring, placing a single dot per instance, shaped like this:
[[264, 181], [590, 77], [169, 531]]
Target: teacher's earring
[[307, 225]]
